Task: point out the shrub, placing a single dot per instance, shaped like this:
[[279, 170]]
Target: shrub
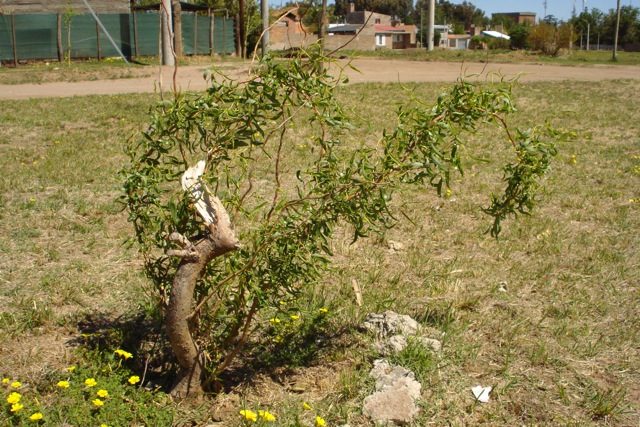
[[550, 39], [498, 44], [285, 199], [520, 36]]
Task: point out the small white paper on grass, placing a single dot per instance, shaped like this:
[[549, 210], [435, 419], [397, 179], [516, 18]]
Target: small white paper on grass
[[481, 393]]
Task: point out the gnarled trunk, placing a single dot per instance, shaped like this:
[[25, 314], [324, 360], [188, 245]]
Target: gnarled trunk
[[220, 239]]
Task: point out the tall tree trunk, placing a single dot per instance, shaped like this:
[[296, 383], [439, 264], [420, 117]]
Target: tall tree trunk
[[177, 28], [242, 29]]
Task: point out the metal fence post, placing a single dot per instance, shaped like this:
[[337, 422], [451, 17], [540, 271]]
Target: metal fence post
[[59, 39], [135, 34], [15, 44], [211, 24], [98, 42]]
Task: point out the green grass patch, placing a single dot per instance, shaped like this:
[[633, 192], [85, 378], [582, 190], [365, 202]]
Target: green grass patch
[[566, 57], [547, 314]]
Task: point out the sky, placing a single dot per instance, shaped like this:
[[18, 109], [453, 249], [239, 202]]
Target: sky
[[561, 9]]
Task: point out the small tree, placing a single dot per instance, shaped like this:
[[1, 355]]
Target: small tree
[[550, 39], [67, 19], [196, 172]]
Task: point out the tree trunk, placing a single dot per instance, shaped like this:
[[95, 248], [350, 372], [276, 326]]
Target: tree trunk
[[220, 240], [177, 28], [242, 29]]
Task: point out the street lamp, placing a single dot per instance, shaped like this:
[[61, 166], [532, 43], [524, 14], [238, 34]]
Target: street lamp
[[588, 31]]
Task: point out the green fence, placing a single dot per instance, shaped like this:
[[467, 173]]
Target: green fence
[[24, 37]]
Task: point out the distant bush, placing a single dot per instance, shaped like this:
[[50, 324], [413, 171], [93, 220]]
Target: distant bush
[[520, 36], [478, 42], [498, 44], [549, 39]]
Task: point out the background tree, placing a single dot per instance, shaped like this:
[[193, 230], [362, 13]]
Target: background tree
[[550, 39], [520, 36], [464, 13], [595, 19], [629, 26], [233, 144], [506, 22]]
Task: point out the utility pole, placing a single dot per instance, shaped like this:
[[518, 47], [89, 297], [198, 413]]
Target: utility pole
[[615, 43], [264, 5], [431, 23], [167, 32]]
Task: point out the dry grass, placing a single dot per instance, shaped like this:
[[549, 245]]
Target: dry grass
[[38, 72], [548, 315]]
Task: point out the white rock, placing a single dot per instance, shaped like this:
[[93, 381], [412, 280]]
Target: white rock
[[390, 323], [380, 367]]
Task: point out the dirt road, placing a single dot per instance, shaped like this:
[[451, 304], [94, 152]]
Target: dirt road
[[371, 70]]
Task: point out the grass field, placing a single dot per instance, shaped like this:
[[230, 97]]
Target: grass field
[[114, 68], [548, 315], [574, 58]]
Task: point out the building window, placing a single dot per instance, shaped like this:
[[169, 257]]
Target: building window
[[398, 38], [381, 40], [377, 20]]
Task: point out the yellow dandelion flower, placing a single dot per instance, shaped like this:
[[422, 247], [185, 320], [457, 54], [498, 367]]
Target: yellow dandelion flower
[[63, 384], [279, 339], [102, 393], [14, 398], [90, 382], [124, 354], [134, 379], [323, 310], [267, 416], [97, 402], [71, 368], [5, 381], [35, 417], [294, 317], [320, 422], [274, 320], [16, 407], [306, 406], [249, 415], [16, 384]]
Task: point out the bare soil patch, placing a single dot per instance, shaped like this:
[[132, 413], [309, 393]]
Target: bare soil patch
[[368, 70]]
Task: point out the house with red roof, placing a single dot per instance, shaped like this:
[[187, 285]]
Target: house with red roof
[[366, 30]]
